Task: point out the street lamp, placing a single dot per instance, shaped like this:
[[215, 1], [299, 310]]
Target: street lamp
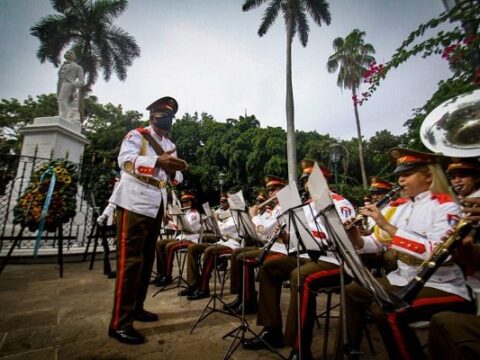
[[335, 154], [221, 181]]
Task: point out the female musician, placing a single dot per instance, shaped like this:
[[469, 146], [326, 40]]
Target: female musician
[[416, 227]]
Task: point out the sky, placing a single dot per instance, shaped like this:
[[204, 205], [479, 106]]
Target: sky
[[207, 54]]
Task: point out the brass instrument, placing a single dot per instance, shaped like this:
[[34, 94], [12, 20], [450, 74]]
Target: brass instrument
[[453, 129], [266, 202], [379, 204]]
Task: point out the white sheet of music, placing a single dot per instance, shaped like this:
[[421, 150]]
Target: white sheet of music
[[236, 201], [289, 198], [207, 209], [318, 188], [175, 200]]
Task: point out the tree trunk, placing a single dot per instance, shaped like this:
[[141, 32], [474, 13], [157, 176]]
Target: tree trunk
[[360, 142], [289, 106]]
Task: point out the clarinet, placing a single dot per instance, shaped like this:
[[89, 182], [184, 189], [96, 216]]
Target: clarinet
[[379, 204], [261, 258], [409, 292]]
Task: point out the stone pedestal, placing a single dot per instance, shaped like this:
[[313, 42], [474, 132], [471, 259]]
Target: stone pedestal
[[55, 134]]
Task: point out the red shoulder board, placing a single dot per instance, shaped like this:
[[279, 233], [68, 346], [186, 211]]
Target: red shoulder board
[[442, 198], [337, 197], [399, 201], [143, 130]]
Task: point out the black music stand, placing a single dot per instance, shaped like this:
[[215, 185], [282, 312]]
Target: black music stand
[[246, 230], [319, 192], [210, 309], [185, 227]]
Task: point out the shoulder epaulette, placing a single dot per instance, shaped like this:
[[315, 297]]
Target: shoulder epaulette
[[143, 130], [442, 198], [399, 201], [337, 197]]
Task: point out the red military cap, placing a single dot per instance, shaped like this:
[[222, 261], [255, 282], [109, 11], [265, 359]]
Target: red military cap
[[307, 167], [379, 185], [165, 104], [463, 164], [186, 196], [408, 160], [272, 181]]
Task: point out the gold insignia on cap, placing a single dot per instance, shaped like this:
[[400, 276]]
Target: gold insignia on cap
[[395, 154]]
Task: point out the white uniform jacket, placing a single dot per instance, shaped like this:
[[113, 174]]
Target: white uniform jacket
[[421, 221], [193, 218], [133, 194], [344, 209]]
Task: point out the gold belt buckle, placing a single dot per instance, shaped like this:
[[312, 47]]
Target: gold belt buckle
[[161, 184]]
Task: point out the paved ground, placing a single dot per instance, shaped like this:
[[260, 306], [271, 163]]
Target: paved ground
[[45, 317]]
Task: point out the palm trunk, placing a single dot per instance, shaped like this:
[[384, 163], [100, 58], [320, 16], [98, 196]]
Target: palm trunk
[[360, 140], [289, 106]]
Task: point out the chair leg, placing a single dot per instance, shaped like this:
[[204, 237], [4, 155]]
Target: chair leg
[[327, 324]]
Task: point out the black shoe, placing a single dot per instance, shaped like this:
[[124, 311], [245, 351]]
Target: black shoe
[[155, 280], [232, 305], [127, 336], [199, 294], [250, 308], [163, 281], [273, 337], [112, 275], [295, 355], [145, 316], [187, 292]]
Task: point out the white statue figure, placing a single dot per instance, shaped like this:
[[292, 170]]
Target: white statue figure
[[70, 79]]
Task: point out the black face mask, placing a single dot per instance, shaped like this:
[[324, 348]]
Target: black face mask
[[163, 122]]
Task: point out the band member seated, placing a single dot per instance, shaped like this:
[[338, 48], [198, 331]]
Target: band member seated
[[313, 275], [464, 176], [198, 283], [458, 335], [417, 226], [166, 248], [264, 217]]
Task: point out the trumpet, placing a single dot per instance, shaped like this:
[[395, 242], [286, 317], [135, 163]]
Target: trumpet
[[266, 202], [379, 204]]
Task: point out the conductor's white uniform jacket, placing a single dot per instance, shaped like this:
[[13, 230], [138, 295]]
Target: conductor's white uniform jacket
[[138, 157], [421, 221]]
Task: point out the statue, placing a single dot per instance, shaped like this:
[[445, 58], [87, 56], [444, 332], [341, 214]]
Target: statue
[[70, 80]]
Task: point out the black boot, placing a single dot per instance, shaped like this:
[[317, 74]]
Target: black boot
[[232, 305], [250, 308], [272, 337], [295, 355], [199, 294], [187, 291], [163, 281], [127, 336]]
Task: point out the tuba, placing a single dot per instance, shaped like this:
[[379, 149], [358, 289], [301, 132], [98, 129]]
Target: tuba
[[453, 127]]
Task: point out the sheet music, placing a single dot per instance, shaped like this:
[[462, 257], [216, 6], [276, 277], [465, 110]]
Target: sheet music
[[174, 210], [317, 185], [175, 200], [289, 198], [207, 209], [236, 201]]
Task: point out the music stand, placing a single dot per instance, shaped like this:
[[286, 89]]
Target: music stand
[[301, 239], [185, 227], [246, 231], [210, 309], [320, 194]]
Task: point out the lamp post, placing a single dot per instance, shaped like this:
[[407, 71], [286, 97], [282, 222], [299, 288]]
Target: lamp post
[[335, 154], [221, 181]]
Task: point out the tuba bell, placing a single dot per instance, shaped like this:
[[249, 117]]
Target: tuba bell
[[453, 127]]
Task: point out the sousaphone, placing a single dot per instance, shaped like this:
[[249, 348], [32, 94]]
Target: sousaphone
[[453, 127]]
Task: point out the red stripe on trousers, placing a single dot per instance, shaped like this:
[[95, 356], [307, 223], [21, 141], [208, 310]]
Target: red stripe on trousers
[[120, 270], [307, 293], [392, 318], [208, 269], [172, 249]]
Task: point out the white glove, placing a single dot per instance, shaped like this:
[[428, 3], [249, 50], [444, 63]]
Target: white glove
[[102, 219]]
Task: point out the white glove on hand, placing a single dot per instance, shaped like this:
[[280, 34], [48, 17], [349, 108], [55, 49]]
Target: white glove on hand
[[102, 219]]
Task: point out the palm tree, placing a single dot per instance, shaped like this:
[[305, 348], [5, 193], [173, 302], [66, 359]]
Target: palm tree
[[352, 56], [295, 16], [87, 27]]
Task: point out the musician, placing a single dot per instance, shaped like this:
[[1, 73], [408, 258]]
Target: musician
[[458, 335], [166, 248], [223, 213], [243, 259], [416, 227], [148, 161], [198, 283], [313, 275], [464, 176]]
